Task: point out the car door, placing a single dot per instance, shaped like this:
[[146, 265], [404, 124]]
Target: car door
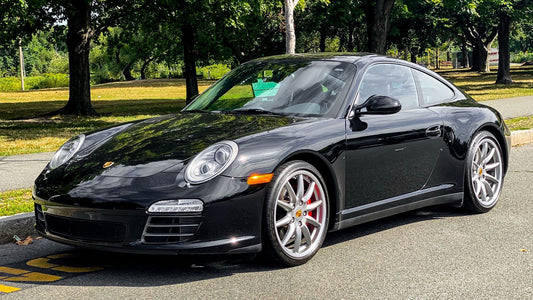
[[389, 156]]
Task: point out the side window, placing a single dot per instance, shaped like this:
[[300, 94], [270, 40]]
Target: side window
[[389, 80], [433, 91]]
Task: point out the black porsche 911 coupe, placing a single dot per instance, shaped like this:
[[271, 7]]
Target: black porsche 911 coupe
[[277, 153]]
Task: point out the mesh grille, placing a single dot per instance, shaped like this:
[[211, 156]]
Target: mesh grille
[[86, 230], [170, 229]]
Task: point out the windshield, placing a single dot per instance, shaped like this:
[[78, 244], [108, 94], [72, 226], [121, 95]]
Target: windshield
[[288, 87]]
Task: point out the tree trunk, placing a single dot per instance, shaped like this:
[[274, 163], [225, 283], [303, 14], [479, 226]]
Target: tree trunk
[[290, 35], [351, 40], [21, 63], [127, 72], [144, 66], [481, 45], [437, 62], [322, 32], [79, 37], [481, 59], [464, 51], [504, 55], [414, 52], [378, 24], [189, 55]]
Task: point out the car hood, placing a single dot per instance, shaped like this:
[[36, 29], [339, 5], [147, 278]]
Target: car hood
[[153, 145]]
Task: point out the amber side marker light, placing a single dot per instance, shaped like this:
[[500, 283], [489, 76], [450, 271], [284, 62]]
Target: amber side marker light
[[259, 178]]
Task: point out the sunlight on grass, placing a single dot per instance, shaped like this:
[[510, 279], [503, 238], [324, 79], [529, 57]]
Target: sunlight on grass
[[46, 135], [481, 86], [17, 201], [521, 123]]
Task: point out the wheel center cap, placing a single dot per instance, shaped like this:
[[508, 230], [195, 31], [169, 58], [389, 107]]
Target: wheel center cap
[[480, 171], [298, 213]]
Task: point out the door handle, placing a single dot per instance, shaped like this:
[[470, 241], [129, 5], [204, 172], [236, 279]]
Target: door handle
[[434, 131]]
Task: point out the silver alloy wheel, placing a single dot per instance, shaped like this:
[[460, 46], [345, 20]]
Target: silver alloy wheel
[[300, 214], [487, 172]]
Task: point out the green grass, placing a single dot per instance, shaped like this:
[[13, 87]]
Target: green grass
[[21, 132], [14, 202], [521, 123], [481, 86]]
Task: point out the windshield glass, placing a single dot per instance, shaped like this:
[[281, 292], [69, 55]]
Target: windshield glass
[[290, 87]]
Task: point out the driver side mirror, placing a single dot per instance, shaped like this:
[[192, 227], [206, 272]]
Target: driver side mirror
[[379, 105]]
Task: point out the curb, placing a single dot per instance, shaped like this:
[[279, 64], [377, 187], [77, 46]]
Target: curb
[[521, 137], [23, 224], [19, 224]]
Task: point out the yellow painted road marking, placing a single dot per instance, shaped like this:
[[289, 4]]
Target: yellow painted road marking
[[44, 263], [23, 275], [8, 289], [41, 263]]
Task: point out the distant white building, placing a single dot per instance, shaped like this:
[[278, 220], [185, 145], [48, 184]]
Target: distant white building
[[493, 56]]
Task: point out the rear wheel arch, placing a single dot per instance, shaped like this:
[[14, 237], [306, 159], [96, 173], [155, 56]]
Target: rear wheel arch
[[500, 137]]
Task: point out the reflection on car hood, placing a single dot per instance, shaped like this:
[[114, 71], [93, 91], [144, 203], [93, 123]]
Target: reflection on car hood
[[159, 143]]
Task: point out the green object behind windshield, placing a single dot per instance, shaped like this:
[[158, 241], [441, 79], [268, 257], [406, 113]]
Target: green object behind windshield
[[265, 89]]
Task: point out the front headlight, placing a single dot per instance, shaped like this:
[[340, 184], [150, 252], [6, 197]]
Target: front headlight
[[67, 151], [211, 161]]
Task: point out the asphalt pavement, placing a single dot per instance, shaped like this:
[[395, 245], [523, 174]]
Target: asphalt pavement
[[513, 107], [19, 171]]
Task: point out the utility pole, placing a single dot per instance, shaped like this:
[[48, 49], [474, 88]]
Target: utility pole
[[21, 60]]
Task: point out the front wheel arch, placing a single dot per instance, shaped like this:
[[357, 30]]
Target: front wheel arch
[[328, 174]]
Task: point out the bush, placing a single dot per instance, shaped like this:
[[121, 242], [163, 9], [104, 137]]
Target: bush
[[521, 57], [9, 84], [44, 81], [213, 71]]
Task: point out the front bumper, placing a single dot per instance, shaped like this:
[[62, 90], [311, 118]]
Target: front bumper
[[227, 225]]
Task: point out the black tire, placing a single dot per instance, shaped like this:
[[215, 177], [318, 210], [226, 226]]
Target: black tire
[[484, 173], [305, 212]]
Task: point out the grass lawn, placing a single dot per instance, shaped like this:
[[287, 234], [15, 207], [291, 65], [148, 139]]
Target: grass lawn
[[22, 131], [521, 123], [14, 202], [481, 86]]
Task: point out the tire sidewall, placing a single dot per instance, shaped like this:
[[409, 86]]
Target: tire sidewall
[[471, 202]]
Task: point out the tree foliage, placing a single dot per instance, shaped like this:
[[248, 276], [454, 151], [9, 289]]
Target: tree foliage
[[131, 39]]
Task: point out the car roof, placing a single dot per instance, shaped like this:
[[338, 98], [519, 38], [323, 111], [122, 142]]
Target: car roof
[[340, 56]]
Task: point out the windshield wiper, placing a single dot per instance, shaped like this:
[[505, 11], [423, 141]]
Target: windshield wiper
[[256, 111]]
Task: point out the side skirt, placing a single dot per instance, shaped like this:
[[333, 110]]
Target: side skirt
[[438, 200]]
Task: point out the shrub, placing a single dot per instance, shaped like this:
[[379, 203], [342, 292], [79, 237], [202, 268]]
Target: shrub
[[44, 81], [213, 71], [9, 84], [521, 57]]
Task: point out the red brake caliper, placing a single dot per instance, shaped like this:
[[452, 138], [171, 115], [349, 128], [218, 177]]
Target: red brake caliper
[[309, 202]]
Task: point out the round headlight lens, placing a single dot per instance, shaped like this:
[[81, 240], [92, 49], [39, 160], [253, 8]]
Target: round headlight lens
[[211, 161], [67, 151]]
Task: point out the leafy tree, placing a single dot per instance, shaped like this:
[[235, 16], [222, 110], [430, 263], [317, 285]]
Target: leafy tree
[[479, 24], [508, 12], [416, 26]]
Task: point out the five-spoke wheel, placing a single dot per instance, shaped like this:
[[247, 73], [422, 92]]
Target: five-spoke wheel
[[296, 213], [484, 173]]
